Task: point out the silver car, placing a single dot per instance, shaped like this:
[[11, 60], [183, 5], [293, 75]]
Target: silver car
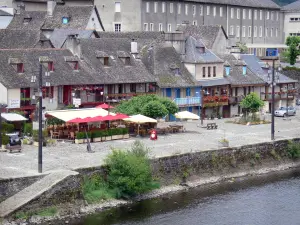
[[283, 112]]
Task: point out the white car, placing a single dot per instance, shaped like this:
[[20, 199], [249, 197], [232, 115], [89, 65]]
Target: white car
[[283, 112]]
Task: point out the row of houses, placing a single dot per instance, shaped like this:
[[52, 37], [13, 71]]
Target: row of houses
[[91, 67]]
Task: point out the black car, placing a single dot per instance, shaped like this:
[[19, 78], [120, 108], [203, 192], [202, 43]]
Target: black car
[[14, 140]]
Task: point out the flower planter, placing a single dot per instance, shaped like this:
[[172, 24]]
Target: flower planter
[[36, 144], [3, 147], [85, 140], [115, 137], [126, 136], [97, 139], [223, 144], [108, 138], [79, 141]]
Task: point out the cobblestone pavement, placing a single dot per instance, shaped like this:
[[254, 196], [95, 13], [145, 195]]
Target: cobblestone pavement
[[72, 156]]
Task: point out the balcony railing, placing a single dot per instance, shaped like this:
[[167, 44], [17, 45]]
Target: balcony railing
[[211, 101], [188, 101], [278, 95], [235, 99]]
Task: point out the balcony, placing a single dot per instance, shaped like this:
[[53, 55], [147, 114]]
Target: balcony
[[278, 95], [213, 101], [235, 99], [188, 101]]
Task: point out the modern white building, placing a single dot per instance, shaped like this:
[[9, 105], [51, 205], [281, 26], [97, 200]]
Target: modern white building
[[291, 19]]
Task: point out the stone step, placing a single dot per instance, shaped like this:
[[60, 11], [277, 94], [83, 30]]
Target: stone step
[[33, 191]]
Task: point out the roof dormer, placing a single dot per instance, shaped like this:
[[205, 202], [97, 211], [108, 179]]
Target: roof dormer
[[73, 62], [125, 57], [103, 57], [17, 64], [227, 68], [200, 47]]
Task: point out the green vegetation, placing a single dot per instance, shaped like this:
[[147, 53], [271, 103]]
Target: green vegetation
[[82, 135], [105, 133], [252, 103], [275, 155], [257, 156], [54, 121], [129, 174], [35, 134], [5, 139], [242, 46], [46, 212], [27, 129], [293, 150], [148, 105], [293, 51]]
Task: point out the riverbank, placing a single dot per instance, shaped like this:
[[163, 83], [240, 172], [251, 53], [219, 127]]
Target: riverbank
[[176, 173]]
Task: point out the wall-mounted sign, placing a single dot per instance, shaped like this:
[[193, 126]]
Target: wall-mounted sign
[[77, 102], [14, 103]]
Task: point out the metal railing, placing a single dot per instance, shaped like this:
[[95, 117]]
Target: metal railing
[[188, 101]]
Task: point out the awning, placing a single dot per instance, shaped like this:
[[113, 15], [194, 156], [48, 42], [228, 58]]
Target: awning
[[67, 115], [140, 119], [187, 115], [98, 118], [13, 117], [105, 106]]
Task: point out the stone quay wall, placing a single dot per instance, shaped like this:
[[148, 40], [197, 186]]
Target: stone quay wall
[[170, 170]]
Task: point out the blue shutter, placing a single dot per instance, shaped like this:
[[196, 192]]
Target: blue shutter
[[169, 92]]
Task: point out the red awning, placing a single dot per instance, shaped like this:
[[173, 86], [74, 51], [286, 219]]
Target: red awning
[[121, 116], [105, 106]]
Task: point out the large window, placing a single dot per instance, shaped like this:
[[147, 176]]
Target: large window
[[232, 13], [267, 31], [207, 10], [260, 14], [214, 71], [214, 11], [260, 31], [169, 27], [268, 15], [255, 14], [255, 31], [147, 7], [250, 14], [249, 31], [151, 27], [271, 32], [179, 8], [244, 14], [276, 32], [237, 31], [117, 6], [160, 27], [221, 11], [209, 71], [194, 10], [238, 14], [244, 31], [155, 7], [186, 9], [118, 27], [203, 71], [171, 7], [145, 26], [231, 30], [272, 15], [163, 7], [201, 10]]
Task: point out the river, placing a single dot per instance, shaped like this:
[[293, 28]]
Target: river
[[265, 200]]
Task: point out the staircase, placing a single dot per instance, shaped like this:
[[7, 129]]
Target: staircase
[[33, 191]]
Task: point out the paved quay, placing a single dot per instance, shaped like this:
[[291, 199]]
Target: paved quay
[[71, 156]]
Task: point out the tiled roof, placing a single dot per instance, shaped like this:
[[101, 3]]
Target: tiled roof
[[63, 73], [59, 36], [193, 54], [37, 19], [236, 76], [4, 13], [293, 7], [213, 82], [78, 17], [117, 71], [12, 39], [206, 34], [254, 64], [165, 63]]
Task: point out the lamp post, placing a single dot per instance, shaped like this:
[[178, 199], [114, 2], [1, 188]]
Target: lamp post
[[273, 83], [42, 60], [2, 106]]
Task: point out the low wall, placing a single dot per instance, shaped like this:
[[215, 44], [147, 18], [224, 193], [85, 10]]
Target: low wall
[[179, 168]]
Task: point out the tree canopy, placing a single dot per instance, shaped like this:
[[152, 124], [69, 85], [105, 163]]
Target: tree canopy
[[148, 105], [293, 51], [252, 103]]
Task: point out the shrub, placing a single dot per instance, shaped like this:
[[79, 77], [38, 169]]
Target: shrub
[[82, 135], [7, 127], [5, 139], [35, 134], [97, 134], [293, 150], [27, 129], [130, 172]]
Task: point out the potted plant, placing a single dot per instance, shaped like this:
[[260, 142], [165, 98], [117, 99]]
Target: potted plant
[[35, 134], [108, 135], [114, 134], [223, 143], [125, 133], [5, 141], [97, 135], [80, 138]]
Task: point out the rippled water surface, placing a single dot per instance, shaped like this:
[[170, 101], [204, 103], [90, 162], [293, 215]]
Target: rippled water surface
[[272, 200]]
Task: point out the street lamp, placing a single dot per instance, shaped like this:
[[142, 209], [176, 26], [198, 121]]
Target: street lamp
[[2, 106], [272, 83], [42, 60]]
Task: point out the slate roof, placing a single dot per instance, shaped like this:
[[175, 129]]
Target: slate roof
[[293, 7], [213, 82], [165, 63], [79, 17], [116, 72], [63, 73], [13, 39], [207, 34], [37, 20], [236, 76], [249, 3], [254, 64], [59, 36], [193, 54]]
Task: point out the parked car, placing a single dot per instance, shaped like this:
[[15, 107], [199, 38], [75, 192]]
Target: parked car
[[14, 139], [283, 112], [298, 101]]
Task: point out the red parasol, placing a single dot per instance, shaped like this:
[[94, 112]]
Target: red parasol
[[105, 106], [121, 116]]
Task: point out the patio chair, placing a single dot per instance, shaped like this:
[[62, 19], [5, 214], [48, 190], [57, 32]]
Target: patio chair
[[53, 134], [71, 136]]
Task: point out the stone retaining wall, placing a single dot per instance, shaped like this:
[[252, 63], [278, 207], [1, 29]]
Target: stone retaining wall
[[173, 170]]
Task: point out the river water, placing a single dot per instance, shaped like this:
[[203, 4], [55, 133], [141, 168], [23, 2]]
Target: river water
[[263, 200]]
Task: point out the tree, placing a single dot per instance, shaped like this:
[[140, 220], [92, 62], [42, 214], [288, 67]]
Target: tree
[[155, 109], [137, 104], [293, 51], [252, 103]]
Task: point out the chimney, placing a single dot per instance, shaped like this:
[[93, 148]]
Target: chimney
[[20, 8], [134, 49], [50, 7]]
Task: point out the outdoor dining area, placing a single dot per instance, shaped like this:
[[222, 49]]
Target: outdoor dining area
[[99, 124]]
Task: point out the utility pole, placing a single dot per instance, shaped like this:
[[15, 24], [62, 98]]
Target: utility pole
[[273, 102], [40, 154], [202, 105]]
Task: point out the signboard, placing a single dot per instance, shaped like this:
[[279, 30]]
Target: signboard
[[77, 102], [14, 103]]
